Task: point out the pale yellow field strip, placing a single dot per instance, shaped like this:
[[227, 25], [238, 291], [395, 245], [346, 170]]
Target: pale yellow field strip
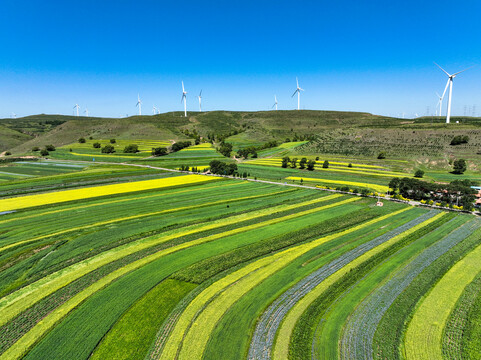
[[23, 298], [380, 188], [132, 217], [22, 202], [424, 334], [281, 346], [18, 349], [196, 323]]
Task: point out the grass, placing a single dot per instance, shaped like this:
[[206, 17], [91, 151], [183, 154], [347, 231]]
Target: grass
[[424, 334], [352, 184], [132, 335]]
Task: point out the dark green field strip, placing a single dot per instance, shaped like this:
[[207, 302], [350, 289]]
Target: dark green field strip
[[134, 332], [237, 325], [392, 325], [461, 338], [40, 170], [328, 332], [96, 240], [80, 332], [359, 330], [31, 317], [300, 346]]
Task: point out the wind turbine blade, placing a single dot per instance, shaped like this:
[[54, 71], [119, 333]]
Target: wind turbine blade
[[459, 72], [302, 89], [446, 88], [295, 92], [438, 95], [183, 87], [442, 69], [200, 95], [297, 81]]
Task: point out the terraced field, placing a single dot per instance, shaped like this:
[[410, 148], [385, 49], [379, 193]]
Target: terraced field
[[200, 267]]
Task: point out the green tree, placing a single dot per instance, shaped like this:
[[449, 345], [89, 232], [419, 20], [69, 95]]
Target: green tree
[[225, 149], [285, 161], [459, 166], [419, 173], [97, 145], [113, 141], [382, 155], [159, 151], [35, 148], [293, 163], [131, 149], [81, 140], [108, 149], [394, 183], [310, 165], [302, 163], [50, 147], [325, 165], [44, 152], [350, 165]]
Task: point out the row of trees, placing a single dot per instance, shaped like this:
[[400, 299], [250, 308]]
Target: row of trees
[[458, 192], [303, 163], [222, 168]]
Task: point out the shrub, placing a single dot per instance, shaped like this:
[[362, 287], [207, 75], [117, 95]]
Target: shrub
[[459, 166], [131, 149], [419, 173], [325, 165], [310, 165], [160, 151], [382, 155], [7, 153], [350, 165], [97, 145], [459, 139], [91, 138], [108, 149], [81, 140], [180, 145], [44, 152], [113, 141], [225, 149], [35, 148], [50, 147], [302, 163]]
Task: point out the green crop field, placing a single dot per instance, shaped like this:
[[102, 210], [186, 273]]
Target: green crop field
[[122, 256]]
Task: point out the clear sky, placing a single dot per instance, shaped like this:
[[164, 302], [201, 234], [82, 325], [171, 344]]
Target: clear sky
[[373, 56]]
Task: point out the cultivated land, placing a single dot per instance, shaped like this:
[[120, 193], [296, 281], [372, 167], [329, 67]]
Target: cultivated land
[[121, 256]]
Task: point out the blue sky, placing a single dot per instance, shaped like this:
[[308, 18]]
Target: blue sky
[[374, 56]]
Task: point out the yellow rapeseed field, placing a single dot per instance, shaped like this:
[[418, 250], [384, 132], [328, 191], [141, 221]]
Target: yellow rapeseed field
[[22, 202]]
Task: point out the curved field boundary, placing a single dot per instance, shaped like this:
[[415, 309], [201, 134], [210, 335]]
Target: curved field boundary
[[266, 329], [423, 337], [47, 323], [28, 201], [380, 188], [192, 331], [457, 331], [20, 300], [281, 346], [358, 332], [132, 217]]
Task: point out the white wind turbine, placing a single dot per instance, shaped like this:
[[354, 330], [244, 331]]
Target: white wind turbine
[[154, 110], [450, 84], [86, 111], [184, 99], [275, 102], [139, 104], [14, 115], [298, 91], [200, 100], [440, 102], [76, 107]]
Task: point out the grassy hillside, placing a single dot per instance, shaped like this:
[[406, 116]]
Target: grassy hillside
[[10, 138], [335, 132]]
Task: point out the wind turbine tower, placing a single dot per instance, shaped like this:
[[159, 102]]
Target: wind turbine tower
[[76, 107], [200, 100], [86, 111], [154, 110], [440, 102], [450, 84], [184, 99], [298, 91], [275, 102], [139, 104]]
